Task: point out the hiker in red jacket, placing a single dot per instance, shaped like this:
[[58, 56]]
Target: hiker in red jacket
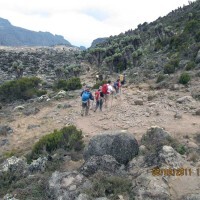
[[99, 97]]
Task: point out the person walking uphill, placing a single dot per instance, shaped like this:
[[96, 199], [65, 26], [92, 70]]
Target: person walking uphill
[[107, 90], [86, 96], [99, 96]]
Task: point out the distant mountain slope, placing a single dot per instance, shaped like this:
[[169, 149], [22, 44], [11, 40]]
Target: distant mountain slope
[[15, 36]]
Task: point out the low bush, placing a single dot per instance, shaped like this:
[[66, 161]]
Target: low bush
[[160, 78], [23, 88], [30, 187], [171, 66], [184, 78], [189, 66], [70, 84], [110, 187], [169, 69], [68, 138]]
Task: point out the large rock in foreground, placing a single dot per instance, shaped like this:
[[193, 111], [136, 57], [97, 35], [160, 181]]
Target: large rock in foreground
[[104, 163], [121, 145]]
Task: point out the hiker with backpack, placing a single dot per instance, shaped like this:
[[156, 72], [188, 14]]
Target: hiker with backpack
[[107, 90], [86, 96], [117, 86], [123, 78], [99, 97]]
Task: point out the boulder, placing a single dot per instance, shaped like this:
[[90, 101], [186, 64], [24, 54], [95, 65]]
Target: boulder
[[38, 165], [154, 135], [13, 163], [121, 145], [104, 163], [169, 157], [66, 185], [150, 187]]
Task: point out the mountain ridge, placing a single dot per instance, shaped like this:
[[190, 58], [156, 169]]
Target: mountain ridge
[[16, 36]]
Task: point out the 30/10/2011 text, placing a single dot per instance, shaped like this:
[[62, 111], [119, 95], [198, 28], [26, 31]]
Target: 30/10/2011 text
[[175, 172]]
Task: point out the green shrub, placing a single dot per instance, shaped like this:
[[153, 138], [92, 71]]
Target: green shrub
[[160, 78], [68, 138], [70, 84], [169, 69], [184, 78], [189, 66], [110, 186], [181, 149], [23, 88], [98, 84], [31, 187], [197, 37], [192, 27]]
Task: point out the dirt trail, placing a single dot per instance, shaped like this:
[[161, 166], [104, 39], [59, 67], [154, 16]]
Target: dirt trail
[[154, 108], [124, 114]]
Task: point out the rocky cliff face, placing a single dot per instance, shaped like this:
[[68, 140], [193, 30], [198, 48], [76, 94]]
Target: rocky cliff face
[[15, 36]]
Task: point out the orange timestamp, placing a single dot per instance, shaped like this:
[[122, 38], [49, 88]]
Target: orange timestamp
[[175, 172]]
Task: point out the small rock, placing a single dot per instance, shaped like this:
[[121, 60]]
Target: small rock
[[5, 130], [197, 112], [83, 197], [138, 102], [72, 187], [19, 108], [178, 115], [192, 145], [184, 99]]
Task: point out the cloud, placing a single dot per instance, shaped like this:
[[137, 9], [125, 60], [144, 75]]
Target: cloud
[[80, 22]]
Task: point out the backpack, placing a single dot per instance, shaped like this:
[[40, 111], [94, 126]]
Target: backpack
[[119, 84], [105, 88], [97, 95], [85, 96], [116, 85]]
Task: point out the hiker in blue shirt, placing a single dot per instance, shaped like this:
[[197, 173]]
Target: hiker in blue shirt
[[86, 96]]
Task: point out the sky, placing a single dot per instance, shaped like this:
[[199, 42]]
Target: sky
[[82, 21]]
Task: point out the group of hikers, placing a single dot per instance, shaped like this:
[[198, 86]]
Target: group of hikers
[[104, 95]]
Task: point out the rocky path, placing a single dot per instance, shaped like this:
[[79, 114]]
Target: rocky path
[[135, 110]]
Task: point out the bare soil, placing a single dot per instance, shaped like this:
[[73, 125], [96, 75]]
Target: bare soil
[[122, 113]]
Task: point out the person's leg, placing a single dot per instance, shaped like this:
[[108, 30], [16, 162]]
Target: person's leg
[[83, 108], [101, 104], [106, 100], [87, 108], [120, 90], [97, 105]]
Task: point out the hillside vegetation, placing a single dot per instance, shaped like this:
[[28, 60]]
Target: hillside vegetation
[[167, 45]]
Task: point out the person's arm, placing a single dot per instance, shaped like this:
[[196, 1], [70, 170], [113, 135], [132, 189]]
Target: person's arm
[[91, 96]]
